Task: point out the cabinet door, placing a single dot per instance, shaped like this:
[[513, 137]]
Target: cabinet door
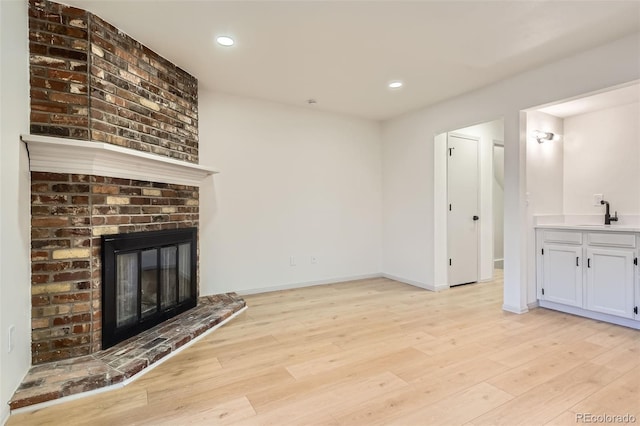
[[610, 281], [562, 274]]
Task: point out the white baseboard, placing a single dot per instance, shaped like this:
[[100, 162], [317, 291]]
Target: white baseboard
[[533, 305], [307, 284], [515, 309], [414, 283], [136, 376], [498, 263], [626, 322]]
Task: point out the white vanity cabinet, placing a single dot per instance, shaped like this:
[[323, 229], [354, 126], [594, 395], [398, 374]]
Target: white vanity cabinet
[[610, 281], [589, 273], [562, 274]]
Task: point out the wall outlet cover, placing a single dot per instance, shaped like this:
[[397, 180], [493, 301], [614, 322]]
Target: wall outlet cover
[[596, 199]]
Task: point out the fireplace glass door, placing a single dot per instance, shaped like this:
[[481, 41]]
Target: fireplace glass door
[[126, 289], [148, 277]]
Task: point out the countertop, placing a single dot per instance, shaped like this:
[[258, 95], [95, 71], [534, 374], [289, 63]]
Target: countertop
[[596, 228]]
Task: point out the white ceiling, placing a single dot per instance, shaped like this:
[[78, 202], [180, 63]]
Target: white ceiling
[[622, 96], [343, 53]]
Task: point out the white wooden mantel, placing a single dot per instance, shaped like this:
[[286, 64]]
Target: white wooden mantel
[[60, 155]]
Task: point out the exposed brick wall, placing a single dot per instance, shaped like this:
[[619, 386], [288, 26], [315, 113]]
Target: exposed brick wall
[[139, 99], [59, 46], [69, 214], [92, 82]]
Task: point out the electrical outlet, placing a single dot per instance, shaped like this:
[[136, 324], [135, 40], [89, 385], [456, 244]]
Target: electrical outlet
[[596, 199], [292, 261], [314, 260], [12, 329]]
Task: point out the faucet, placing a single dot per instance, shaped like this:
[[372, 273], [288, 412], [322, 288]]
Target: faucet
[[607, 216]]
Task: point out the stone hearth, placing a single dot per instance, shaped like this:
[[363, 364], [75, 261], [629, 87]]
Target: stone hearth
[[55, 380]]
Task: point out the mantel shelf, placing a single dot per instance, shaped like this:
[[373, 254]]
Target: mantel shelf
[[60, 155]]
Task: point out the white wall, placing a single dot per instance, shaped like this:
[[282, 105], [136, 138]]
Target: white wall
[[293, 182], [408, 152], [545, 170], [545, 174], [602, 156], [408, 208], [15, 297]]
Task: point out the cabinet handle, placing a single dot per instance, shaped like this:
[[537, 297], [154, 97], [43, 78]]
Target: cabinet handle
[[577, 261], [588, 263]]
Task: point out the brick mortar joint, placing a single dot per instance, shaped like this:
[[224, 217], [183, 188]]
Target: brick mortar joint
[[89, 64], [92, 267]]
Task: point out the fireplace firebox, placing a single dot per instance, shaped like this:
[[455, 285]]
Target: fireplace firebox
[[147, 278]]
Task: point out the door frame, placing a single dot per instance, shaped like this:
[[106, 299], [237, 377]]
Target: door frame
[[496, 143], [476, 139]]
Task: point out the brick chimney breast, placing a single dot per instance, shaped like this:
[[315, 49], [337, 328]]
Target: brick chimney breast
[[91, 82]]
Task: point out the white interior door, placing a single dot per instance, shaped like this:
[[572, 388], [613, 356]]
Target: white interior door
[[462, 221]]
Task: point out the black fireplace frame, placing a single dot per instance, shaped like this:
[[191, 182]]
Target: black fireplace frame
[[115, 244]]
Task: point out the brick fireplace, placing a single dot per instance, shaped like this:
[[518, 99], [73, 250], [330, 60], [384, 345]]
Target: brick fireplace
[[113, 155], [69, 214], [96, 85]]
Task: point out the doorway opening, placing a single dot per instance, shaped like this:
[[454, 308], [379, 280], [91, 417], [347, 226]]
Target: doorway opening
[[472, 257]]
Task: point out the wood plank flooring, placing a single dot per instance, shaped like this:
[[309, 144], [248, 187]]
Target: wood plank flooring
[[378, 352]]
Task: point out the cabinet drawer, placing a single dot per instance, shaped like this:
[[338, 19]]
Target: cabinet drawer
[[570, 237], [611, 239]]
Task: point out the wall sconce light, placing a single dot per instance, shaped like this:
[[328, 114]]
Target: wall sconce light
[[544, 136]]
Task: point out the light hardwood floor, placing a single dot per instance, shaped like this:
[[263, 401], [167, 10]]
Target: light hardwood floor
[[379, 352]]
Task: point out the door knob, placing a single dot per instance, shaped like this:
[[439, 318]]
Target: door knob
[[475, 218]]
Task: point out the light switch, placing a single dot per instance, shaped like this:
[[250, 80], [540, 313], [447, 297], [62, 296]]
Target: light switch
[[12, 330]]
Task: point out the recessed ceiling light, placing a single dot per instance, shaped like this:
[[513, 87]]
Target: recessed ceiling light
[[395, 84], [224, 41]]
